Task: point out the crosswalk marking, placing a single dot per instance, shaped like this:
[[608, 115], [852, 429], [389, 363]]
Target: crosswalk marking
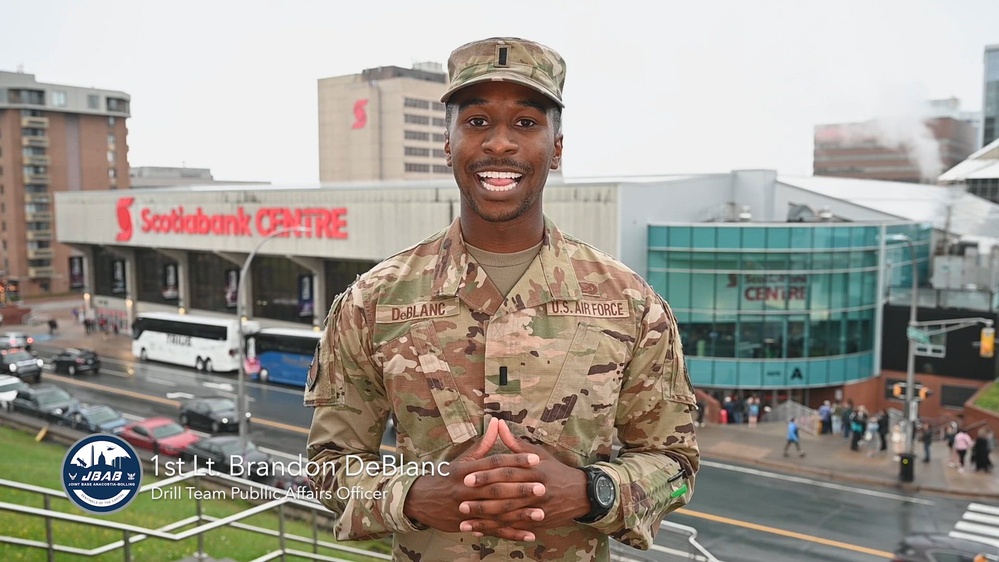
[[980, 522]]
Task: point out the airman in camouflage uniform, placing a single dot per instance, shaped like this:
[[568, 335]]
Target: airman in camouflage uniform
[[579, 352]]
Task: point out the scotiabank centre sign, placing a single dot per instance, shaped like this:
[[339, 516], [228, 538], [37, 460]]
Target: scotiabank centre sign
[[319, 222]]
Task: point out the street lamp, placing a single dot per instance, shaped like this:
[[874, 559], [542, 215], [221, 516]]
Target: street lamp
[[241, 408], [910, 368]]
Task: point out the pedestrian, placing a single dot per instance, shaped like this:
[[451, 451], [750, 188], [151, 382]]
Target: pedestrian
[[488, 345], [858, 427], [981, 450], [883, 423], [825, 415], [927, 438], [950, 432], [962, 442], [846, 415], [753, 405], [53, 326], [793, 438]]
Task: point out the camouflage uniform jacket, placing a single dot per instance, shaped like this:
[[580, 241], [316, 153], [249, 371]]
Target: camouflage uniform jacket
[[590, 350]]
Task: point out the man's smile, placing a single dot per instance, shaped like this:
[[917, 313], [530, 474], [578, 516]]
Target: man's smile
[[499, 181]]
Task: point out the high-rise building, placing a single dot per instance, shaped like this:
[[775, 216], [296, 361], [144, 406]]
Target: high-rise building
[[52, 138], [385, 123], [905, 149], [990, 97]]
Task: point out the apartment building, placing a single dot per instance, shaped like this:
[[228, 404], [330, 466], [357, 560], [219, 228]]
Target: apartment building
[[53, 138], [385, 123]]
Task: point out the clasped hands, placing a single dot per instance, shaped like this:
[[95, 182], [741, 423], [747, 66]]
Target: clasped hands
[[508, 495]]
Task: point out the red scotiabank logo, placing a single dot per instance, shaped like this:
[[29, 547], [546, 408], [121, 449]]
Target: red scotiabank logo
[[124, 219], [360, 115]]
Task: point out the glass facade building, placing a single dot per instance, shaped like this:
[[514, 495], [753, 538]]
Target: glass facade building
[[781, 305], [990, 96]]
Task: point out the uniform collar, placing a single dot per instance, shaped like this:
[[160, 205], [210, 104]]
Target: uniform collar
[[550, 276]]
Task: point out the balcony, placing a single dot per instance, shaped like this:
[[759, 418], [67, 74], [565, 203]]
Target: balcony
[[36, 272], [38, 160], [37, 198], [45, 216], [38, 179], [40, 142], [35, 122], [40, 254], [38, 235]]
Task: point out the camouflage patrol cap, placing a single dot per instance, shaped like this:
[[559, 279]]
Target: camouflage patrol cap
[[507, 59]]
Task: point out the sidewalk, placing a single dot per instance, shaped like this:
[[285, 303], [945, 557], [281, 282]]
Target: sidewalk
[[828, 457]]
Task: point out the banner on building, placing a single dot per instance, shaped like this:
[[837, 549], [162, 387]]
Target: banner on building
[[231, 288], [170, 287], [76, 272], [118, 277], [306, 302]]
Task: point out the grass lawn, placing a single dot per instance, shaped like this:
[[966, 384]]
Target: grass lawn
[[24, 460], [989, 400]]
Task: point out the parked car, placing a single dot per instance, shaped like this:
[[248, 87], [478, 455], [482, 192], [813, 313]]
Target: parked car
[[17, 362], [212, 414], [46, 401], [8, 390], [255, 464], [923, 547], [98, 418], [72, 361], [17, 339], [159, 435]]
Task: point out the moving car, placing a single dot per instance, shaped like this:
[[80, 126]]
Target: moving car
[[72, 361], [213, 414], [17, 339], [223, 451], [98, 418], [46, 401], [924, 547], [8, 390], [159, 435], [16, 361]]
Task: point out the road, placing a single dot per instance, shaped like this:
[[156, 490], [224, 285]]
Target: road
[[740, 513]]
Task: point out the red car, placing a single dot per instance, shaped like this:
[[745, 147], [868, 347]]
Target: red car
[[159, 435]]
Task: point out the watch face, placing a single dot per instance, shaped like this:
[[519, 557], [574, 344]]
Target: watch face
[[604, 490]]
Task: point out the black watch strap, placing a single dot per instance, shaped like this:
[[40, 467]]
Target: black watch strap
[[597, 510]]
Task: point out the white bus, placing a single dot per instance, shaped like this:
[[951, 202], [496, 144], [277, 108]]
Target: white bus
[[203, 342]]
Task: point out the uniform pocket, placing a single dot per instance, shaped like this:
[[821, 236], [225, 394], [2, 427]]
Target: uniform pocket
[[429, 409], [579, 415]]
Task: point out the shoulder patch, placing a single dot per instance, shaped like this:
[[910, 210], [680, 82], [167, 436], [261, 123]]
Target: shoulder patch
[[388, 313]]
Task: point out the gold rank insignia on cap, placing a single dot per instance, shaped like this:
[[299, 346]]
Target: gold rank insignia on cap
[[507, 59]]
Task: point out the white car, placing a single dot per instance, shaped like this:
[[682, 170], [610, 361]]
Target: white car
[[8, 389]]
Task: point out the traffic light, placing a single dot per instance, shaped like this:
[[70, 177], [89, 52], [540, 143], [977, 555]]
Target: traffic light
[[922, 393], [898, 390], [987, 347]]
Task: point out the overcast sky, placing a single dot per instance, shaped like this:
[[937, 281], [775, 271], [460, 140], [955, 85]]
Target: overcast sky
[[652, 87]]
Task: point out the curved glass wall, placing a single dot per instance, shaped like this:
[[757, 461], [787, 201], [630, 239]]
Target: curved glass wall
[[778, 306]]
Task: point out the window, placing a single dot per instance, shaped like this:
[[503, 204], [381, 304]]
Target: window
[[417, 119], [111, 139], [111, 121], [416, 151], [421, 104], [58, 98], [438, 106], [438, 137], [439, 169], [118, 104], [417, 135], [439, 153], [110, 157], [439, 122], [112, 173], [422, 168], [93, 102]]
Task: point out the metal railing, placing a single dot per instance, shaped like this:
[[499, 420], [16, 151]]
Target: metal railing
[[678, 542], [806, 418]]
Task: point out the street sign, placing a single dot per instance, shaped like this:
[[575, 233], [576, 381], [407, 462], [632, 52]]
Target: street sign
[[917, 335], [929, 350]]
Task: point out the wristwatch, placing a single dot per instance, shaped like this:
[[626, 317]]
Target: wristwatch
[[601, 491]]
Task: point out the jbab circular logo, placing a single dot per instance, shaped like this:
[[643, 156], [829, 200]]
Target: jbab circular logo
[[101, 473]]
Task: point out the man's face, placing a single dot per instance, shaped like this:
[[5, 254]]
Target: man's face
[[501, 143]]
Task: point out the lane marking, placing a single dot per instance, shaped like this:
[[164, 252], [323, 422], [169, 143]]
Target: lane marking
[[789, 534], [817, 483], [984, 508], [163, 382]]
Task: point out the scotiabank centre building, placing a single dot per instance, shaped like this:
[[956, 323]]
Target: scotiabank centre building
[[777, 282]]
